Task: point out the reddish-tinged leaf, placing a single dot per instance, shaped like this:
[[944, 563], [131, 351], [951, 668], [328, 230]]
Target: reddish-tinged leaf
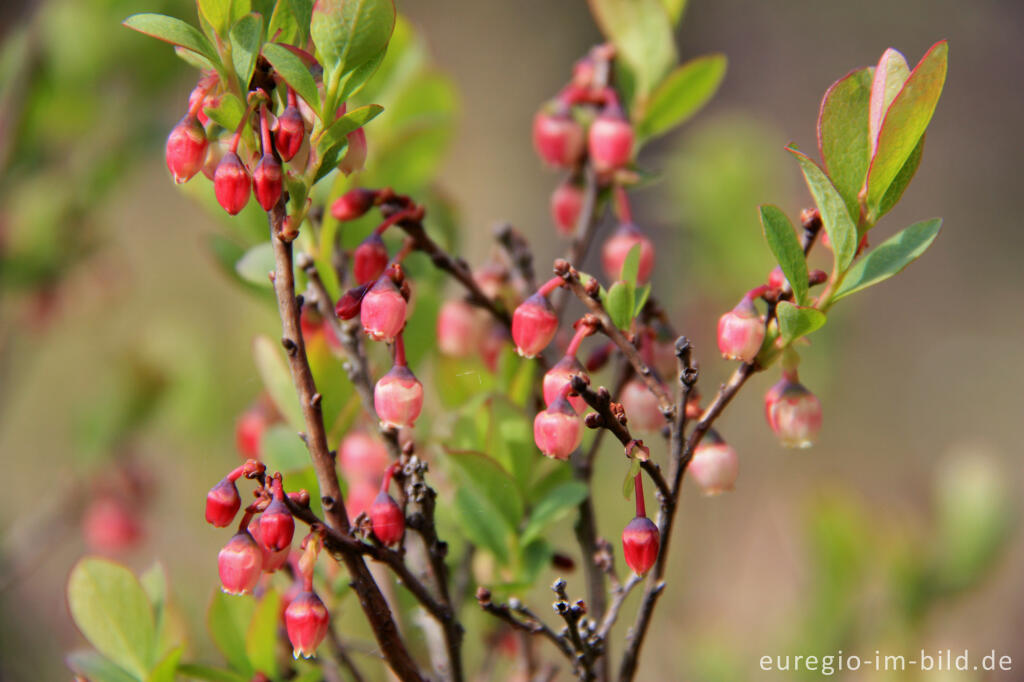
[[843, 134], [891, 74]]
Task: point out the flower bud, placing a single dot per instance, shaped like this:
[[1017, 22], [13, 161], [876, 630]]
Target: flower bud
[[618, 246], [557, 378], [793, 413], [276, 526], [355, 157], [641, 406], [110, 525], [222, 503], [383, 310], [557, 431], [353, 204], [289, 131], [741, 332], [610, 141], [460, 328], [777, 279], [640, 542], [557, 137], [715, 465], [370, 259], [349, 305], [272, 559], [240, 564], [267, 181], [533, 326], [360, 496], [306, 620], [232, 184], [386, 519], [186, 149], [398, 397], [566, 204], [362, 456]]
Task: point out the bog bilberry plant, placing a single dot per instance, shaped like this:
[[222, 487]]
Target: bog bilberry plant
[[284, 93]]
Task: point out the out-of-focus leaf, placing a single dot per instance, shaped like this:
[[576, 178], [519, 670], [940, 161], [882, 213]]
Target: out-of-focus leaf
[[681, 95], [302, 11], [630, 266], [890, 75], [843, 139], [620, 304], [642, 34], [246, 36], [788, 253], [552, 507], [281, 449], [349, 33], [277, 379], [796, 321], [165, 669], [906, 121], [198, 671], [628, 483], [256, 265], [96, 668], [842, 232], [175, 32], [534, 557], [228, 619], [481, 522], [491, 481], [675, 9], [110, 607], [295, 74], [261, 637], [889, 257]]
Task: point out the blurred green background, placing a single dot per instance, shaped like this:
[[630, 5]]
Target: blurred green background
[[121, 339]]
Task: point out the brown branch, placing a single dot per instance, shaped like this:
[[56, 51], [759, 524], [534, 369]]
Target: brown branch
[[532, 624], [519, 253], [571, 277], [372, 601], [573, 615]]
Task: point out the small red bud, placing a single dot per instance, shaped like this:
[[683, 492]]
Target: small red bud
[[618, 246], [715, 465], [355, 158], [383, 310], [793, 413], [610, 141], [777, 279], [370, 259], [398, 398], [289, 131], [640, 542], [599, 357], [386, 519], [641, 406], [110, 525], [557, 431], [248, 431], [353, 204], [557, 137], [272, 559], [460, 328], [566, 204], [556, 379], [232, 184], [306, 619], [533, 326], [222, 503], [267, 181], [741, 332], [361, 456], [349, 305], [276, 526], [240, 564], [186, 149]]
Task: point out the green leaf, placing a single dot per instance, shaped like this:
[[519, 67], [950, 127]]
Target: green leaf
[[282, 450], [797, 321], [903, 178], [628, 483], [534, 558], [256, 265], [261, 637], [302, 11], [338, 131], [175, 32], [840, 228], [165, 670], [228, 620], [642, 34], [890, 75], [786, 248], [217, 14], [96, 668], [906, 121], [294, 72], [620, 304], [198, 671], [682, 94], [641, 298], [228, 112], [110, 607], [246, 36], [630, 266], [675, 9], [491, 481], [843, 134], [481, 522], [277, 379], [889, 257], [349, 33], [552, 507]]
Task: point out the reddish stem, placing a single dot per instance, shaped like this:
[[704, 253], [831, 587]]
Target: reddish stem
[[400, 351], [582, 332], [243, 525], [388, 474], [756, 292], [638, 484], [622, 204], [409, 213], [264, 130], [292, 99], [550, 286]]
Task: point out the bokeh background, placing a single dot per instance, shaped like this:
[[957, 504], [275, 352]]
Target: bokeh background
[[121, 338]]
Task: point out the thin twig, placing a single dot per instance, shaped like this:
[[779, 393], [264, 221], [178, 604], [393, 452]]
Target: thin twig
[[531, 624]]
